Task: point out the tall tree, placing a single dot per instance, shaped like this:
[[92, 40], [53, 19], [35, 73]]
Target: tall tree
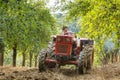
[[23, 23], [99, 19]]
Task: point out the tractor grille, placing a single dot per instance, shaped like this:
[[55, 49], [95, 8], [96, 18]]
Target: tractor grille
[[62, 48]]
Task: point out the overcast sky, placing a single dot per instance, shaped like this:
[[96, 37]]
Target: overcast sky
[[51, 3]]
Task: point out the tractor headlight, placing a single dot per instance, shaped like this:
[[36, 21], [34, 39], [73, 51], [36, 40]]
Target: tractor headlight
[[59, 39], [67, 39]]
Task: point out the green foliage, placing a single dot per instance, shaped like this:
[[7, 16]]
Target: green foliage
[[97, 17], [99, 20], [27, 23]]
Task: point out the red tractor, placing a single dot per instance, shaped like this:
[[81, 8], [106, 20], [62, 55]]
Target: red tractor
[[65, 50]]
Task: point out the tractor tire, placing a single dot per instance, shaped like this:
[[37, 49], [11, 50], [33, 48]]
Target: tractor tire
[[85, 60], [51, 50], [42, 58], [89, 62], [81, 63], [51, 53], [89, 58]]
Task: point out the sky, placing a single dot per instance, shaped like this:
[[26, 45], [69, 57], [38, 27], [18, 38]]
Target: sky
[[51, 3], [55, 3]]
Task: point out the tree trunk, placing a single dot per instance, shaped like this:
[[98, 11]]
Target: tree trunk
[[14, 55], [36, 60], [1, 50], [115, 56], [24, 58], [118, 34], [31, 56], [1, 58]]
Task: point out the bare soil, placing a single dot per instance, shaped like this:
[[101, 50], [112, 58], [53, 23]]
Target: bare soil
[[108, 72]]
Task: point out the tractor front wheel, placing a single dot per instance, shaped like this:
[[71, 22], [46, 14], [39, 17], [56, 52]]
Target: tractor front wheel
[[42, 58], [82, 63]]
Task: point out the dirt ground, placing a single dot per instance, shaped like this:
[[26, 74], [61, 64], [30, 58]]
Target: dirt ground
[[108, 72]]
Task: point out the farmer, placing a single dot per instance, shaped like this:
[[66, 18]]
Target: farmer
[[66, 32], [69, 33]]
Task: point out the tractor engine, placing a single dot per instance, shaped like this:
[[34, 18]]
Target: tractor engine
[[63, 48]]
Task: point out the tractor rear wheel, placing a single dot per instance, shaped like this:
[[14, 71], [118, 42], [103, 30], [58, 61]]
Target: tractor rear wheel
[[89, 62], [82, 63], [85, 60], [42, 58]]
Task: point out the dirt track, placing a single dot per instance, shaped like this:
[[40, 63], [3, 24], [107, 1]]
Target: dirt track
[[108, 72]]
